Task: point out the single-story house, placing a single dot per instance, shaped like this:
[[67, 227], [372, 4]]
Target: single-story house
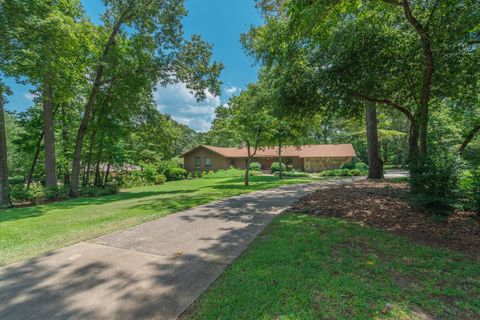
[[308, 158]]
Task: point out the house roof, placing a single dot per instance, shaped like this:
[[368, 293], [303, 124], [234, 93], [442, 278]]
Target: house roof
[[306, 151]]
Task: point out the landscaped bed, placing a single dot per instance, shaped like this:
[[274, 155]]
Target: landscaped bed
[[358, 251]]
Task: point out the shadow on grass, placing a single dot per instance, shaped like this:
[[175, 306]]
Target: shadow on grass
[[36, 211]]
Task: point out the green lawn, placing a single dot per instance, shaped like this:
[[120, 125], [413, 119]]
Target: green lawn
[[26, 232], [304, 267]]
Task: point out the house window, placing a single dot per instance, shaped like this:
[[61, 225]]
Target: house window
[[208, 163], [197, 163]]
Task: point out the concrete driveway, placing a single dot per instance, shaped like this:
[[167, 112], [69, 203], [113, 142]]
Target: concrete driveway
[[151, 271]]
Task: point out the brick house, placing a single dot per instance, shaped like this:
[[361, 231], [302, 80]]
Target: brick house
[[308, 158]]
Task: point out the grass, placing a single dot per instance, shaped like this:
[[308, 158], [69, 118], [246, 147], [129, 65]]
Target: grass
[[304, 267], [29, 231]]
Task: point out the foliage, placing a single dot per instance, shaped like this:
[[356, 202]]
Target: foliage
[[328, 58], [293, 173], [160, 179], [437, 181], [225, 173], [469, 189], [255, 166], [38, 193], [175, 173], [93, 191], [276, 167], [172, 169], [362, 166], [343, 173]]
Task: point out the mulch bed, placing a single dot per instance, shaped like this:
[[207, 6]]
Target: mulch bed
[[384, 205]]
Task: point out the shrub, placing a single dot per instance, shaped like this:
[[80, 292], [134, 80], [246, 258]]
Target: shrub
[[342, 173], [355, 172], [434, 184], [349, 166], [276, 167], [172, 169], [134, 179], [175, 173], [362, 166], [222, 173], [16, 180], [469, 189], [475, 194], [293, 174], [255, 166], [160, 179], [93, 191]]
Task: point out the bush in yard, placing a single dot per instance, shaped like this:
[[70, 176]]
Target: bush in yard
[[362, 166], [149, 172], [348, 166], [134, 179], [276, 167], [293, 173], [93, 191], [255, 166], [355, 172], [160, 179], [172, 169], [342, 173], [175, 173], [222, 173], [436, 183]]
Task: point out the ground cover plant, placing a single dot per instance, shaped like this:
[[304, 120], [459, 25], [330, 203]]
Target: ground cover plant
[[29, 231]]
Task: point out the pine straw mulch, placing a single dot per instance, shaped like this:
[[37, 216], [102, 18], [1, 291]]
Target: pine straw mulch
[[384, 205]]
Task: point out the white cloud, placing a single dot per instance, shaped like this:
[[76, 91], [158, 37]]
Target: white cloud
[[177, 101], [230, 91], [29, 96]]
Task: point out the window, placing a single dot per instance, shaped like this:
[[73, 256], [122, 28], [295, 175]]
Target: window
[[208, 163], [197, 163]]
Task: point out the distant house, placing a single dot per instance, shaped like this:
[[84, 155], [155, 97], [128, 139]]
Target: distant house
[[309, 158]]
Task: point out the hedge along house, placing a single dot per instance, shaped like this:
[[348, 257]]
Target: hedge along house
[[308, 158]]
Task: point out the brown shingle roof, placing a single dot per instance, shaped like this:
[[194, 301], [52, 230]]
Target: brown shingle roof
[[307, 151]]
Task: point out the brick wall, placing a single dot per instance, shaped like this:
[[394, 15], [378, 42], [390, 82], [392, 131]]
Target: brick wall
[[218, 161], [320, 164]]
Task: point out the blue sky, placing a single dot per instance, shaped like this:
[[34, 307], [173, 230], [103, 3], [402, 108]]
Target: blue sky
[[219, 22]]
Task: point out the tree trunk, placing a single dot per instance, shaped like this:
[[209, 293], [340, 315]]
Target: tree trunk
[[280, 172], [106, 175], [89, 159], [49, 134], [98, 179], [34, 161], [76, 163], [247, 170], [5, 201], [375, 163]]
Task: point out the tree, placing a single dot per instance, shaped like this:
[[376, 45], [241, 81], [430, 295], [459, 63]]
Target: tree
[[43, 43], [154, 26], [382, 52], [249, 118], [5, 201]]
